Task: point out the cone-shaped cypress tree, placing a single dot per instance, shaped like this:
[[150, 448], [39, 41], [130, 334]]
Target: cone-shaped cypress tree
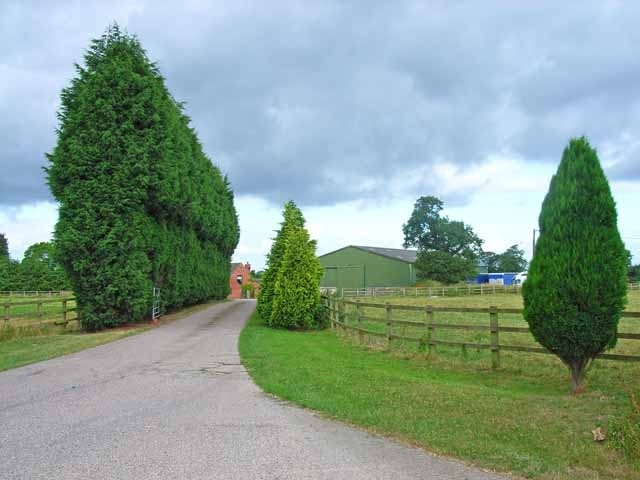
[[576, 286], [141, 205], [292, 218], [296, 300]]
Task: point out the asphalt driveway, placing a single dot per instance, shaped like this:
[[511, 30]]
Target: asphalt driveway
[[175, 403]]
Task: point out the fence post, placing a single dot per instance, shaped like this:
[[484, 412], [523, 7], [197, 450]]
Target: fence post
[[431, 348], [39, 311], [359, 322], [332, 315], [64, 311], [389, 320], [495, 340], [7, 316]]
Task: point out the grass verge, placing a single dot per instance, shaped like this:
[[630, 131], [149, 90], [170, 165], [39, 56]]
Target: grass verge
[[22, 351], [516, 419]]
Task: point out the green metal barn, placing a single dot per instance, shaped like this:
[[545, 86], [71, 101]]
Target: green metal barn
[[365, 267]]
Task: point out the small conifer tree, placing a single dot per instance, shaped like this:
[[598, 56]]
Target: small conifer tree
[[296, 301], [292, 218], [576, 286]]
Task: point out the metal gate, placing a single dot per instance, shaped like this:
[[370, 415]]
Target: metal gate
[[155, 312]]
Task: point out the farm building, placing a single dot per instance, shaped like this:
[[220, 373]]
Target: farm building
[[240, 275], [364, 267], [506, 278]]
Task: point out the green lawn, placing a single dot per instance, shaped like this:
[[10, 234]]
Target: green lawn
[[376, 318], [26, 318], [519, 418], [25, 350]]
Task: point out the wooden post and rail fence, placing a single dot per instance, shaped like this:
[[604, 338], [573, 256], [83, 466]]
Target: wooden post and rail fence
[[430, 327], [38, 311], [450, 291]]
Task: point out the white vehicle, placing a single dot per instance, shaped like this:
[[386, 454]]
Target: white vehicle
[[520, 278]]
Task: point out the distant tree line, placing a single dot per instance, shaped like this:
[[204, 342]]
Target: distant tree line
[[511, 260], [39, 270], [449, 251], [141, 205]]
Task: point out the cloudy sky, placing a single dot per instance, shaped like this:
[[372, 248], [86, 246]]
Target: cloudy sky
[[352, 109]]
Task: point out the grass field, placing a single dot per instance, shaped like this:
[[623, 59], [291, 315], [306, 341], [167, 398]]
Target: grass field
[[25, 350], [502, 300], [39, 343], [28, 318], [518, 418]]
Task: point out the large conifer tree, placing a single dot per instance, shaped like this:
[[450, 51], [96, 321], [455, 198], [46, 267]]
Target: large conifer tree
[[576, 287], [140, 203]]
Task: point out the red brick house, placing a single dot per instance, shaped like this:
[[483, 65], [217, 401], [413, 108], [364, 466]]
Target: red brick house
[[240, 275]]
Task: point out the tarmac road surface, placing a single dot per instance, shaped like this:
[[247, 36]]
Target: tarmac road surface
[[175, 403]]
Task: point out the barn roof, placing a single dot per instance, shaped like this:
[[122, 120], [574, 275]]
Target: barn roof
[[407, 256]]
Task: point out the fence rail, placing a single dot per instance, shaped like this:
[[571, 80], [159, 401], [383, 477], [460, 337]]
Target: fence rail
[[38, 312], [429, 327], [452, 291], [35, 293]]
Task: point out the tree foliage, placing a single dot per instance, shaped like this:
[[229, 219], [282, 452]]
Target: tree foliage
[[576, 286], [296, 301], [4, 246], [511, 260], [5, 279], [634, 273], [427, 231], [141, 205], [10, 275], [39, 269], [292, 218], [447, 249], [444, 267]]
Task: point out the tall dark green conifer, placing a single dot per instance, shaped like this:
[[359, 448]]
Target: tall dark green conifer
[[576, 287], [292, 218], [140, 203]]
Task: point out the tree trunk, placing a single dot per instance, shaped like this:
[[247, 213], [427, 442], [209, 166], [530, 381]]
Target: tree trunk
[[578, 370]]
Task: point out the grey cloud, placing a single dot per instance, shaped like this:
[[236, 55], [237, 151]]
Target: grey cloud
[[328, 102]]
